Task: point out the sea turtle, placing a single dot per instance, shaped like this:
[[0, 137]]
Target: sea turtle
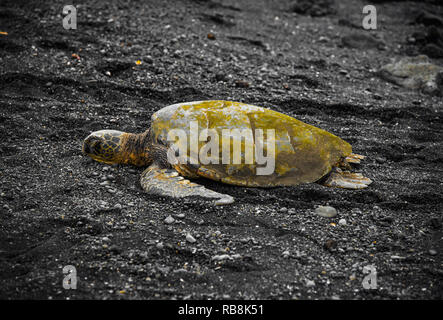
[[219, 133]]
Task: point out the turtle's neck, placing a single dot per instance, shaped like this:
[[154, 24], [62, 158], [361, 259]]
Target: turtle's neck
[[136, 149]]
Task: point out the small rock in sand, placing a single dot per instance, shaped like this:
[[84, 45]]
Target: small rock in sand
[[326, 211]]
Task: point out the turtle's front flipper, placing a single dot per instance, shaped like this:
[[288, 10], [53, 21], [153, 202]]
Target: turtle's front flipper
[[346, 180], [167, 182]]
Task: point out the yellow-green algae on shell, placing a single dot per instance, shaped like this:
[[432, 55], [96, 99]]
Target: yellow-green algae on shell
[[303, 153]]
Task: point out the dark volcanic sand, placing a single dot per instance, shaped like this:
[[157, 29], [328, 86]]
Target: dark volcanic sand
[[55, 212]]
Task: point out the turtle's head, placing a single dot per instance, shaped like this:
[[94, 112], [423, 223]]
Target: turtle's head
[[104, 146], [112, 146]]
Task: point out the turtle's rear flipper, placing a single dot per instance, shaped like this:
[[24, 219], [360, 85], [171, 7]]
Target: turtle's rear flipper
[[346, 180], [167, 182], [354, 158]]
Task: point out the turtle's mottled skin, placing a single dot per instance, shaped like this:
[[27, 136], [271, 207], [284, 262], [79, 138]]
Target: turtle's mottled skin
[[303, 153]]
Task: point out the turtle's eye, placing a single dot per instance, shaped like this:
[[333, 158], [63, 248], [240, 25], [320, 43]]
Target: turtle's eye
[[96, 146]]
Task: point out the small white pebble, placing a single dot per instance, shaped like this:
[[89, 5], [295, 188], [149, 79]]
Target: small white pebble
[[169, 220], [190, 238], [310, 283]]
